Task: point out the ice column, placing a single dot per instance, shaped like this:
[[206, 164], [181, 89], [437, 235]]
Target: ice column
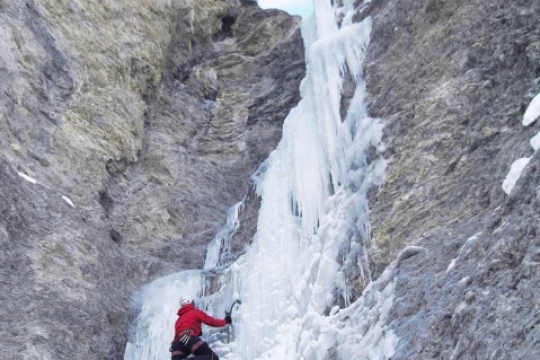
[[310, 254], [313, 239]]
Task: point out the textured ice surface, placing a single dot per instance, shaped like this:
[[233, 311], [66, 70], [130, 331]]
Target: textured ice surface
[[313, 234]]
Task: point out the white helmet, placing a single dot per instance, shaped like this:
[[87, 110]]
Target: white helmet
[[184, 300]]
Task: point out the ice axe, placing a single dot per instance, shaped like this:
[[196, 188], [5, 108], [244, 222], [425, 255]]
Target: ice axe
[[237, 301], [228, 313]]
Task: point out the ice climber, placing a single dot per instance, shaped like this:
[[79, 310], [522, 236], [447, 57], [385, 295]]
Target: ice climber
[[187, 332]]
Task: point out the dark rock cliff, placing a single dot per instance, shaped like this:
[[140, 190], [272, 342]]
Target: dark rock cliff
[[452, 80], [127, 130]]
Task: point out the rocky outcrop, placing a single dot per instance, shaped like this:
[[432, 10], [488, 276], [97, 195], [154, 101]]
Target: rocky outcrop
[[213, 119], [127, 129], [452, 80]]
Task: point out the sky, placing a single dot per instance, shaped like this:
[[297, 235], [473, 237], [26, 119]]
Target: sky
[[294, 7]]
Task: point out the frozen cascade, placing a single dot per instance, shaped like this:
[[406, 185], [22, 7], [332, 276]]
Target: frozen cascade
[[219, 249], [158, 303], [311, 249]]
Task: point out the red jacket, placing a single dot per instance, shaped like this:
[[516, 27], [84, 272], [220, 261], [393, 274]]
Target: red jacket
[[190, 318]]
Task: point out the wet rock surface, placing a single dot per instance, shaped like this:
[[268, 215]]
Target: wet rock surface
[[127, 130], [452, 80]]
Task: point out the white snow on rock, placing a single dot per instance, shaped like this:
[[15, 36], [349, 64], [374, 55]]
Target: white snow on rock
[[535, 142], [464, 250], [27, 178], [451, 265], [68, 200], [514, 174], [533, 111], [531, 115]]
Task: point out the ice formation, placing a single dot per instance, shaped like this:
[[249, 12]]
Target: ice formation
[[297, 280]]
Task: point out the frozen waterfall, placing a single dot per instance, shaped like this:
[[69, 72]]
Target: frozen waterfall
[[311, 249]]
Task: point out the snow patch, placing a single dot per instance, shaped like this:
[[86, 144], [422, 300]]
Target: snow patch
[[464, 250], [531, 115], [27, 178], [535, 142], [451, 265], [68, 200], [514, 174], [533, 111]]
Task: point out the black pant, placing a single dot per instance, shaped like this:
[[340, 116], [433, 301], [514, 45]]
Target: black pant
[[202, 352]]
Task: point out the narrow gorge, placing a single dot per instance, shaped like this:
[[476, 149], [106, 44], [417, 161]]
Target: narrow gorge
[[365, 179]]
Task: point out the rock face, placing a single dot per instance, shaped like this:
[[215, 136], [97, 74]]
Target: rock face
[[213, 119], [127, 130], [452, 80]]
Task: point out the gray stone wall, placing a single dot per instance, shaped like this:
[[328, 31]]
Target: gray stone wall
[[452, 80], [127, 130]]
